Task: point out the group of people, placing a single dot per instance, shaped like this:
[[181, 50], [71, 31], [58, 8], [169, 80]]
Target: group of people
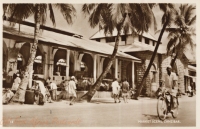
[[120, 90], [49, 90], [11, 85]]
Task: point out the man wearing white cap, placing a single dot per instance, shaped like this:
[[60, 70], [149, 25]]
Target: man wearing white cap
[[72, 90], [170, 81]]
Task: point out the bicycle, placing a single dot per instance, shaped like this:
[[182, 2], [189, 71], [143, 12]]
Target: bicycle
[[164, 106]]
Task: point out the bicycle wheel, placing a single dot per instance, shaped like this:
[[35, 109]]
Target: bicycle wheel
[[161, 108], [175, 111]]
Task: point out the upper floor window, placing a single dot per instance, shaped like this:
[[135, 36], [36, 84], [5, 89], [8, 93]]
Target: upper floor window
[[140, 38], [153, 43], [146, 40], [110, 39], [124, 38], [98, 40]]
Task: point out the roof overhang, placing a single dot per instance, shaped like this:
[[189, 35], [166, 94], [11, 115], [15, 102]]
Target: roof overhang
[[72, 43]]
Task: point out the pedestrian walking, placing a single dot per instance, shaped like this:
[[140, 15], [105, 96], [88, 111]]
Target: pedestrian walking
[[53, 91], [125, 89], [63, 93], [72, 90], [16, 84], [115, 90], [39, 91]]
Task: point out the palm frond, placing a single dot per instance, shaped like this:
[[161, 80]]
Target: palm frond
[[87, 8], [51, 14], [22, 11], [68, 11], [95, 16], [189, 12], [172, 42], [43, 13], [118, 12], [140, 17], [192, 21]]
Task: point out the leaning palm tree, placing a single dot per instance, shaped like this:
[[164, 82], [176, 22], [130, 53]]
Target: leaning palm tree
[[134, 17], [167, 19], [20, 12], [181, 36]]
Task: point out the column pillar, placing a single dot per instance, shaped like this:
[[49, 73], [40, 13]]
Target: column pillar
[[95, 67], [133, 74], [67, 63], [116, 68], [30, 70]]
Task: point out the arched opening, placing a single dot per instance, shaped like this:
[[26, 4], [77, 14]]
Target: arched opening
[[38, 62], [20, 62], [129, 73], [71, 64], [87, 65], [111, 72], [153, 84], [5, 56], [25, 53], [153, 74], [60, 63]]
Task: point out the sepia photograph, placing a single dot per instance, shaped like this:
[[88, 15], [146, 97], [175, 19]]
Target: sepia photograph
[[128, 64]]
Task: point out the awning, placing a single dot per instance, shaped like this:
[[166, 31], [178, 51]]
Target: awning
[[191, 68], [65, 41]]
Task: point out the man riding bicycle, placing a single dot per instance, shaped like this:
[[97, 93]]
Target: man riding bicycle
[[171, 87]]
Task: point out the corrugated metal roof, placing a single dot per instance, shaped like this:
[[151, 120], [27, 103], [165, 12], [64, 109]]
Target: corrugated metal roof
[[101, 34], [67, 41], [137, 46]]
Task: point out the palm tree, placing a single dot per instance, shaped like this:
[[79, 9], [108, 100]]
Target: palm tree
[[181, 36], [136, 17], [167, 19], [20, 12]]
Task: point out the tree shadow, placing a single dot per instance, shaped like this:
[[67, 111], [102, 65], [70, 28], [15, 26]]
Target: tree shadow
[[95, 101], [150, 116]]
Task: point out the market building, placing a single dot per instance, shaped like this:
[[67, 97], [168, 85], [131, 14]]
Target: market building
[[142, 47], [60, 56]]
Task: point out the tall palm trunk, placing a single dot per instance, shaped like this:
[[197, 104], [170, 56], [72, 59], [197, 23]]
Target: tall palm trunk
[[177, 54], [94, 87], [151, 61], [20, 94], [174, 60]]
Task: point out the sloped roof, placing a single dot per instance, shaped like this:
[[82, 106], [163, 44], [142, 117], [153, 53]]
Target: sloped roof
[[101, 34], [137, 46], [192, 68], [67, 41]]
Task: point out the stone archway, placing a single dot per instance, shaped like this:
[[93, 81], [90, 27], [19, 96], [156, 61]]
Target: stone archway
[[25, 52], [111, 73], [5, 56], [38, 62], [129, 73], [153, 80], [87, 65], [60, 62]]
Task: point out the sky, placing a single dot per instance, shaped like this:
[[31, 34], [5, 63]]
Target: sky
[[81, 25]]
